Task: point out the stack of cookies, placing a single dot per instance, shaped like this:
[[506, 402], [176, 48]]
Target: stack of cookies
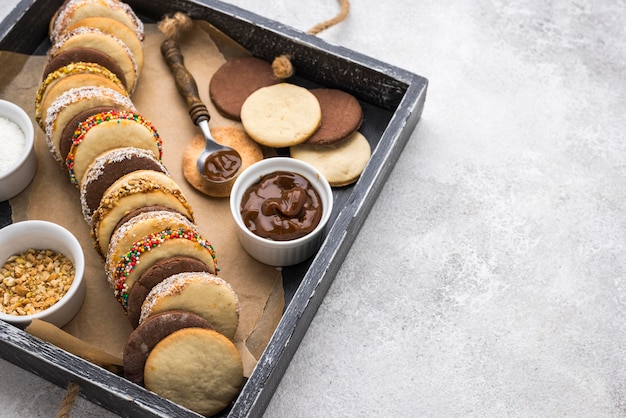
[[319, 126], [161, 270]]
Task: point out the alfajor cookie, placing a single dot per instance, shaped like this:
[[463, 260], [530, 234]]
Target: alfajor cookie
[[76, 74], [107, 168], [118, 29], [155, 274], [197, 368], [237, 79], [341, 116], [281, 115], [202, 293], [143, 339], [71, 103], [83, 55], [341, 163], [87, 37], [129, 237], [234, 137], [72, 11], [134, 190], [105, 131]]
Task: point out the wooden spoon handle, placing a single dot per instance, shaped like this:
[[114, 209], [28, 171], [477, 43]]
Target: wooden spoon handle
[[185, 83]]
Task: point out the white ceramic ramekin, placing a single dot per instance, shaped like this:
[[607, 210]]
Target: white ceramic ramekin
[[18, 176], [280, 253], [19, 237]]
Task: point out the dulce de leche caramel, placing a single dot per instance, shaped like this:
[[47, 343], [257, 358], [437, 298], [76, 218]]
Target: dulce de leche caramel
[[282, 206]]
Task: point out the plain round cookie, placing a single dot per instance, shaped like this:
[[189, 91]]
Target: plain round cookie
[[237, 79], [203, 293], [342, 163], [197, 368], [234, 137], [341, 116], [281, 115], [143, 339]]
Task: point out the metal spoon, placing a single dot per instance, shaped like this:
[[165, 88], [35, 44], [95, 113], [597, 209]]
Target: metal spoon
[[217, 163]]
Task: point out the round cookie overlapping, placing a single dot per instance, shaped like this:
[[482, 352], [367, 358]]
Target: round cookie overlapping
[[319, 126], [161, 270]]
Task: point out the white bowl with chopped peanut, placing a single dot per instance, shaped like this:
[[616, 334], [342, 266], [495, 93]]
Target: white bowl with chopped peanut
[[41, 273]]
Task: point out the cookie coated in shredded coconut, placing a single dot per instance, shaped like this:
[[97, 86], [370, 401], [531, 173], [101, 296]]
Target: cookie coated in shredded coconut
[[110, 157], [65, 15], [85, 30], [176, 284], [74, 95]]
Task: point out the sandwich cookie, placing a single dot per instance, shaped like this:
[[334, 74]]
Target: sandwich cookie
[[72, 75], [106, 131], [72, 11], [142, 188], [133, 232], [107, 168], [107, 43], [281, 115], [74, 101], [143, 339], [204, 294], [154, 275], [197, 368], [118, 29], [84, 55], [145, 252]]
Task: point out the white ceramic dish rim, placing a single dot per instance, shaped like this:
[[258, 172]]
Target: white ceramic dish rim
[[75, 254], [25, 124], [267, 166]]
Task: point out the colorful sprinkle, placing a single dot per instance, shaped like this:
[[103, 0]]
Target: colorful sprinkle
[[128, 262], [97, 119]]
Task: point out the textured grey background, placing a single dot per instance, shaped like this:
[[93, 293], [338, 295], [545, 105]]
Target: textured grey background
[[488, 279]]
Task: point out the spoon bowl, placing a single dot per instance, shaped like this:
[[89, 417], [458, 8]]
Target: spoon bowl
[[217, 163]]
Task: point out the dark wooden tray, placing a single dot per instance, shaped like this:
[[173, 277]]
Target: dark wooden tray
[[392, 101]]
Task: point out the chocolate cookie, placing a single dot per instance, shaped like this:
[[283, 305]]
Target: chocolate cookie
[[237, 79], [341, 116], [156, 274], [143, 339]]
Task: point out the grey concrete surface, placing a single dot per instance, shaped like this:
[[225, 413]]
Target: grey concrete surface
[[488, 280]]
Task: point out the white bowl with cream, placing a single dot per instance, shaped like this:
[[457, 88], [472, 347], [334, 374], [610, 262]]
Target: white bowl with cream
[[280, 252], [18, 162]]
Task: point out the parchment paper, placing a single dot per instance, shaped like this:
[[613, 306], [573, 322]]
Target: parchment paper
[[101, 321]]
